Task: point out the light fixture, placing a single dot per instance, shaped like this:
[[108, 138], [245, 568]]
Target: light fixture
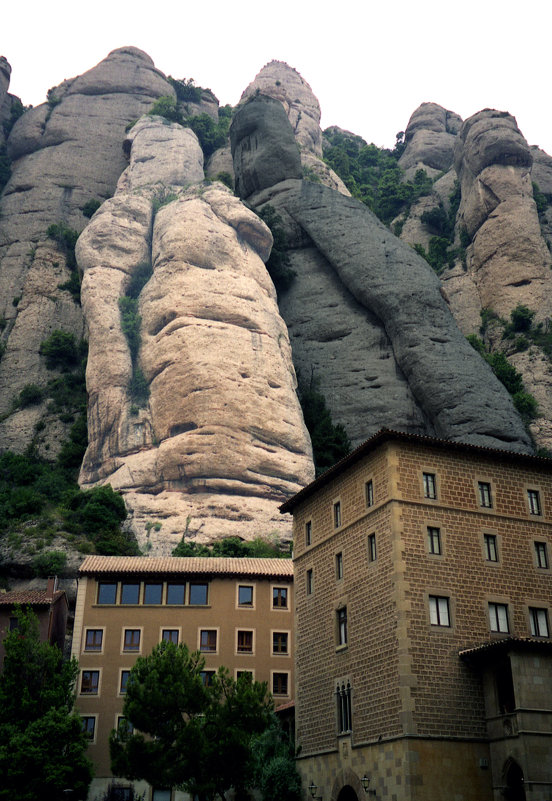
[[312, 790], [365, 781]]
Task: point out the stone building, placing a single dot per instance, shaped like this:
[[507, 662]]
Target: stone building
[[50, 607], [423, 598], [237, 612]]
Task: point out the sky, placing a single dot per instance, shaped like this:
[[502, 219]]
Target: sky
[[369, 64]]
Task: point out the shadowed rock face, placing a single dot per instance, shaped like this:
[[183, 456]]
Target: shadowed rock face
[[222, 426], [456, 395]]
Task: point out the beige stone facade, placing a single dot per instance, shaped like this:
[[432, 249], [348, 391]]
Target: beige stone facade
[[238, 612], [423, 612]]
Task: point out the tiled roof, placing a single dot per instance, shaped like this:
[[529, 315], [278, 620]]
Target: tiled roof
[[387, 434], [506, 644], [204, 565], [32, 597]]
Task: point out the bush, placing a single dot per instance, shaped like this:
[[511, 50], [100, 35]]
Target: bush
[[139, 278], [522, 318], [60, 350], [51, 563], [330, 442], [67, 239], [91, 207], [130, 324], [526, 405], [278, 264], [166, 107], [185, 90], [138, 388], [30, 395]]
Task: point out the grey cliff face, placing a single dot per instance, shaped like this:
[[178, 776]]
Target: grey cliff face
[[429, 138], [456, 395]]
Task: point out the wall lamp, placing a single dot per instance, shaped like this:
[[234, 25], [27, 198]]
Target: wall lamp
[[312, 790], [365, 781]]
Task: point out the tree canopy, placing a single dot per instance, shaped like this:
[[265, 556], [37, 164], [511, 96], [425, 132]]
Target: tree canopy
[[188, 733], [42, 744]]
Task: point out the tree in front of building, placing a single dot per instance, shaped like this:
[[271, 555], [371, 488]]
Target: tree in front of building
[[42, 744], [188, 729]]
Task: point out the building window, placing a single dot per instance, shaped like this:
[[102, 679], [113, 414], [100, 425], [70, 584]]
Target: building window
[[240, 673], [89, 726], [207, 677], [118, 793], [198, 594], [439, 614], [485, 497], [153, 593], [342, 626], [279, 642], [245, 642], [434, 540], [131, 640], [308, 533], [90, 682], [539, 622], [369, 493], [310, 582], [170, 635], [130, 593], [161, 795], [176, 594], [337, 514], [541, 553], [339, 566], [491, 548], [124, 681], [94, 639], [245, 595], [279, 684], [372, 552], [430, 486], [208, 640], [498, 617], [124, 726], [534, 502], [107, 593], [279, 597], [344, 716], [14, 623]]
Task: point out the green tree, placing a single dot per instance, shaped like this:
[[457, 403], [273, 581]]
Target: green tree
[[330, 442], [275, 771], [42, 744], [190, 736]]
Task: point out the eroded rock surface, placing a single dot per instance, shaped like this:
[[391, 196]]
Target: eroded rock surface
[[429, 137]]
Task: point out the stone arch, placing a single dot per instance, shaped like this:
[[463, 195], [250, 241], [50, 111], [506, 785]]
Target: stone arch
[[513, 781], [347, 786]]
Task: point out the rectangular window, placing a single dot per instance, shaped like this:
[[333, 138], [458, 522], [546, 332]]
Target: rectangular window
[[439, 614], [130, 593], [308, 533], [153, 593], [245, 595], [14, 623], [344, 715], [170, 635], [279, 597], [430, 486], [207, 677], [342, 626], [124, 681], [485, 497], [434, 540], [310, 582], [176, 594], [107, 592], [161, 795], [124, 725], [89, 726], [118, 793], [208, 640], [491, 548], [534, 502], [498, 617], [131, 640], [240, 673], [369, 493], [90, 682], [279, 642], [279, 684], [94, 639], [539, 622], [245, 642], [339, 566], [198, 594], [372, 552], [337, 514], [541, 553]]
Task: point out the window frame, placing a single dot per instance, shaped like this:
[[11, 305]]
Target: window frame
[[122, 686], [169, 631], [434, 541], [208, 649], [207, 676], [439, 611], [344, 710], [152, 584], [535, 623], [95, 691], [90, 737], [342, 626], [128, 584], [245, 634], [279, 593], [369, 493], [485, 494], [496, 609], [275, 677], [245, 605], [534, 502], [128, 646], [337, 519], [118, 721], [429, 484], [541, 554], [279, 651], [191, 586], [95, 649], [309, 581], [339, 566], [308, 533], [171, 584], [102, 584], [490, 547]]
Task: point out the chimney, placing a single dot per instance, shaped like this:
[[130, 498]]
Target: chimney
[[52, 586]]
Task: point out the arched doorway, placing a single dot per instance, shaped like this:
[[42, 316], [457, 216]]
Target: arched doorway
[[347, 794], [514, 789]]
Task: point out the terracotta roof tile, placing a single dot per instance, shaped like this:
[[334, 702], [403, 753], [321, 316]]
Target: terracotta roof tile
[[32, 597], [204, 565]]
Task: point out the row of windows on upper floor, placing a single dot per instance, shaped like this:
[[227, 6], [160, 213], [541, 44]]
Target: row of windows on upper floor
[[490, 547], [178, 593], [429, 482], [208, 640]]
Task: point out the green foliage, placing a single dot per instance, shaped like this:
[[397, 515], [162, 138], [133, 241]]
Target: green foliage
[[51, 97], [540, 199], [505, 372], [232, 546], [226, 179], [139, 278], [522, 318], [17, 110], [5, 167], [526, 405], [211, 134], [138, 388], [61, 351], [91, 207], [130, 324], [49, 563], [73, 286], [186, 91], [166, 107], [278, 264], [30, 395], [487, 316], [275, 771], [187, 735], [330, 442], [67, 239], [42, 744]]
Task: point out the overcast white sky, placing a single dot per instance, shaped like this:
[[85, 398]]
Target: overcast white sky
[[369, 64]]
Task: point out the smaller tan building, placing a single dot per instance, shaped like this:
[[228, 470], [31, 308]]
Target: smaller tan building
[[237, 612], [49, 605]]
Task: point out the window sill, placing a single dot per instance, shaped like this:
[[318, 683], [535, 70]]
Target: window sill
[[340, 648]]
